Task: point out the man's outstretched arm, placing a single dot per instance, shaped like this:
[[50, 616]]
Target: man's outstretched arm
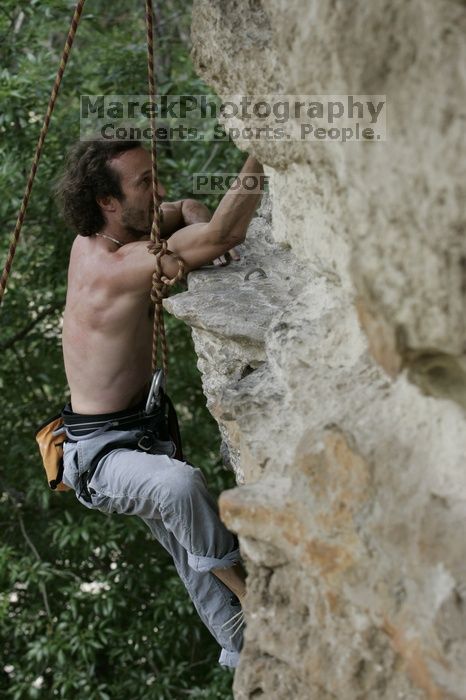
[[201, 243], [197, 244], [182, 213]]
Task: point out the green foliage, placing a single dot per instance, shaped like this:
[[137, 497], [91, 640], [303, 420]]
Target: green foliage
[[90, 606]]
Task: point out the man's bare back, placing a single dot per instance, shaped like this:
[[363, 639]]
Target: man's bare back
[[106, 337], [107, 325]]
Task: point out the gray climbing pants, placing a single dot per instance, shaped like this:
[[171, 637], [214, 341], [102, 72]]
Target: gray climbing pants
[[172, 498]]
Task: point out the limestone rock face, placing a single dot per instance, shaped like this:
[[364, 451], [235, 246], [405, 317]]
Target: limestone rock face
[[337, 370]]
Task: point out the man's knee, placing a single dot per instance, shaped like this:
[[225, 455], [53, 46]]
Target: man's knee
[[183, 482]]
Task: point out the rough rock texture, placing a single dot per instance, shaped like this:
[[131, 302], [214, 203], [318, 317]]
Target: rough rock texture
[[339, 379]]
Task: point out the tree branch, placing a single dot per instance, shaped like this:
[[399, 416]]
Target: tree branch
[[42, 586], [28, 328]]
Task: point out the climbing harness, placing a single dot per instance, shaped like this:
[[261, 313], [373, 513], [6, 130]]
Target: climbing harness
[[154, 417]]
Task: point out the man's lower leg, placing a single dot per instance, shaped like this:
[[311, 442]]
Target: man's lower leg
[[234, 578]]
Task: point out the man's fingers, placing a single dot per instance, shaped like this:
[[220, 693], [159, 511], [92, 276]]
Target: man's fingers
[[234, 254], [227, 257]]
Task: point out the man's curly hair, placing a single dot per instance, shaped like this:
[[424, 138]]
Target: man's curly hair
[[87, 176]]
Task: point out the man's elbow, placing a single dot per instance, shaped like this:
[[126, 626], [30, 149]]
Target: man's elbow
[[237, 238], [195, 212], [220, 235]]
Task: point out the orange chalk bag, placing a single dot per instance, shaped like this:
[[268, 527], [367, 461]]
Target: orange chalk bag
[[50, 437]]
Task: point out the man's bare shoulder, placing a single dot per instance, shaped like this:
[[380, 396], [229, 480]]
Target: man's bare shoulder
[[92, 269], [83, 249], [88, 251], [80, 254]]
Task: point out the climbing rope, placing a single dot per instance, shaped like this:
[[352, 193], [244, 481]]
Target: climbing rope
[[43, 133], [158, 246]]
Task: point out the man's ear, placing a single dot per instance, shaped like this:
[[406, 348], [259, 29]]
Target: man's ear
[[107, 203]]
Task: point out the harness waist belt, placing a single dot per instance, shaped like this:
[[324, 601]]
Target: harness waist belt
[[79, 424]]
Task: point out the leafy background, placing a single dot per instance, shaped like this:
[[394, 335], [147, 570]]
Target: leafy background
[[90, 606]]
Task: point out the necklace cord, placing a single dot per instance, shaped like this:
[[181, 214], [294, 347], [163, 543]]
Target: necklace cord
[[109, 238]]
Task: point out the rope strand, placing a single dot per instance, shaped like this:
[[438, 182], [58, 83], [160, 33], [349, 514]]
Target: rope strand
[[158, 247], [43, 133]]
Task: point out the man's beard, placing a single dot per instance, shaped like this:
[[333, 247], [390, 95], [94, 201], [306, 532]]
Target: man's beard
[[138, 222]]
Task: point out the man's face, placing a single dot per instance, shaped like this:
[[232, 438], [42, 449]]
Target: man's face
[[135, 210]]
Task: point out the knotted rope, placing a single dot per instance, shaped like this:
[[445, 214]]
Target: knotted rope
[[158, 246], [43, 133]]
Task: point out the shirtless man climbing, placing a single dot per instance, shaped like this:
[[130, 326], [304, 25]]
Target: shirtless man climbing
[[106, 193]]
